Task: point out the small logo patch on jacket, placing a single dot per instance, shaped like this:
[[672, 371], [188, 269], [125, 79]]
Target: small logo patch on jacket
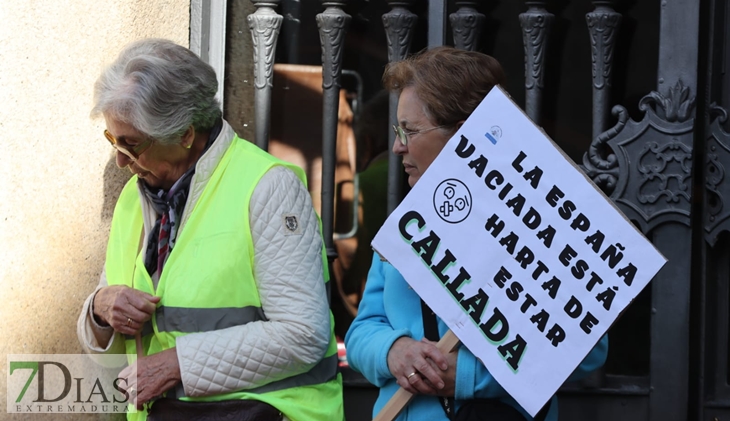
[[291, 223]]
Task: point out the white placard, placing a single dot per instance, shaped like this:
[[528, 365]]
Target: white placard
[[517, 251]]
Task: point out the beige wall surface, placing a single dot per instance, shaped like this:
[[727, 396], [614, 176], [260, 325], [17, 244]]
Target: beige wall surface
[[59, 181]]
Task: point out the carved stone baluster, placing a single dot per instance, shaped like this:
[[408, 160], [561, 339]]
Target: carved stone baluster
[[399, 24], [536, 23], [603, 24], [467, 24], [332, 24], [265, 24]]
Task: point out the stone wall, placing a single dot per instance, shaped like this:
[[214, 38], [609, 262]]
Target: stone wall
[[59, 180]]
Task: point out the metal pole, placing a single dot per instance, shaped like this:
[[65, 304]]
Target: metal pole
[[436, 23], [603, 24], [399, 24], [536, 23], [332, 24], [676, 79]]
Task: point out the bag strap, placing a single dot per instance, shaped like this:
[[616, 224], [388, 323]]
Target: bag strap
[[431, 332]]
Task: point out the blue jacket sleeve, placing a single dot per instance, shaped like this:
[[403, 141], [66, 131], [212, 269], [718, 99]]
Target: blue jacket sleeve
[[371, 335]]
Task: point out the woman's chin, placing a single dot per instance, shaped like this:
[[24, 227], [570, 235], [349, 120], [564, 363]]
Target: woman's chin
[[412, 179], [149, 180]]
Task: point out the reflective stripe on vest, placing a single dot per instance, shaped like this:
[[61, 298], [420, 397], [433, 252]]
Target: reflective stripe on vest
[[322, 372], [189, 320]]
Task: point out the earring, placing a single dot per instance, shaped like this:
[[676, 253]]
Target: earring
[[189, 146]]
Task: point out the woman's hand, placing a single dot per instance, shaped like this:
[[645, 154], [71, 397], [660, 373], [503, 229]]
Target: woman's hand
[[124, 309], [449, 375], [418, 367], [150, 377]]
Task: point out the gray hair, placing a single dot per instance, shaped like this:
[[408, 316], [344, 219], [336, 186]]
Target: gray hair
[[160, 88]]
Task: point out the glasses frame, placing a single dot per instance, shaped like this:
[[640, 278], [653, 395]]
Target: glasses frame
[[402, 134], [133, 152]]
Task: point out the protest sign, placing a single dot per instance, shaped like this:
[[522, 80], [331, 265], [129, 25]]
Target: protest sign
[[517, 251]]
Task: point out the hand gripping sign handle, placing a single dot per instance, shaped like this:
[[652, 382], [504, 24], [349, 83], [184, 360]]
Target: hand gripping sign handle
[[400, 399]]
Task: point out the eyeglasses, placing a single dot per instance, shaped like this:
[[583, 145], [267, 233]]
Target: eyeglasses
[[133, 152], [402, 135]]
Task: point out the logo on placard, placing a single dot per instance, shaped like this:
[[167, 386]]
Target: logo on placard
[[452, 201], [494, 133]]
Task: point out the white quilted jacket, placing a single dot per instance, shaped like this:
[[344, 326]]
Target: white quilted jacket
[[289, 276]]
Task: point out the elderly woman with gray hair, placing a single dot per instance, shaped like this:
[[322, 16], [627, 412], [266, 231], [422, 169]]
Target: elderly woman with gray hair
[[214, 282]]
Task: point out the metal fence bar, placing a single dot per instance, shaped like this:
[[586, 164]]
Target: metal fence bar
[[332, 24], [436, 23], [603, 25], [676, 81], [265, 25], [466, 25], [399, 24], [292, 28], [536, 23]]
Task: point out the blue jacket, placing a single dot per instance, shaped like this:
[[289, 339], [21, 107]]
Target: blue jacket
[[389, 310]]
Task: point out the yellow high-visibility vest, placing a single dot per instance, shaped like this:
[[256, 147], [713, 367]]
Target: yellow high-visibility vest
[[208, 281]]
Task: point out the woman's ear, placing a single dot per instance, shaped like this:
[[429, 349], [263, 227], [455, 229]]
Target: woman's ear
[[188, 137]]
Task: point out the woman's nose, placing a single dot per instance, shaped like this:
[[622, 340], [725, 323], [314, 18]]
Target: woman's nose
[[122, 160], [398, 147]]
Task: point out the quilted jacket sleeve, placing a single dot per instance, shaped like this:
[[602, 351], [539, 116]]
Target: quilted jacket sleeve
[[289, 275]]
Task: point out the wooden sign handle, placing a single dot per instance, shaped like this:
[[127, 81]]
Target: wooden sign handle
[[400, 399]]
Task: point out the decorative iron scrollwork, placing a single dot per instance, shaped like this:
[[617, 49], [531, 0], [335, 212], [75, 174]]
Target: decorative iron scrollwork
[[657, 181], [536, 23], [600, 163], [676, 107], [646, 166], [717, 215], [466, 25]]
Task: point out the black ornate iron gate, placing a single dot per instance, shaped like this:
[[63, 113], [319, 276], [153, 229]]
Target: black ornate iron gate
[[635, 91]]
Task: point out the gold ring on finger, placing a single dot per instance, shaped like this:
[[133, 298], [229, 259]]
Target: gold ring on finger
[[411, 375], [129, 321]]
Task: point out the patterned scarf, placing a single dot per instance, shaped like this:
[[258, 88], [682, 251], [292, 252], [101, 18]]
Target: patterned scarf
[[169, 206]]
